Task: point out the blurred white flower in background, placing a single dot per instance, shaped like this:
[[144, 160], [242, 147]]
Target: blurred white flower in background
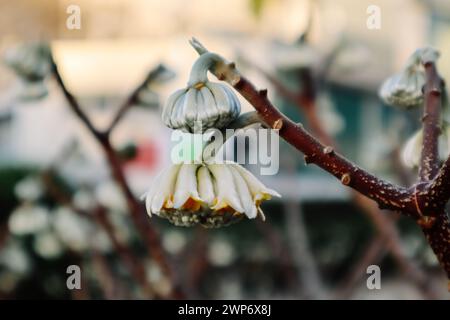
[[109, 195], [230, 287], [221, 253], [84, 199], [28, 219], [154, 275], [73, 230], [411, 152], [47, 245], [173, 241], [100, 241], [14, 257], [29, 189]]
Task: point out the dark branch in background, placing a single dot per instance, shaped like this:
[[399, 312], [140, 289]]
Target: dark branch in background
[[387, 195], [99, 214], [134, 96], [135, 208]]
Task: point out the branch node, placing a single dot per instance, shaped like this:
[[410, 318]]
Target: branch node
[[345, 179], [307, 159], [426, 222], [263, 93], [278, 124], [435, 91], [328, 150]]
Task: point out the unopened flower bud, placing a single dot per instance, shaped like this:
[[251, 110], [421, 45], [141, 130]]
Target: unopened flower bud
[[203, 104], [404, 89]]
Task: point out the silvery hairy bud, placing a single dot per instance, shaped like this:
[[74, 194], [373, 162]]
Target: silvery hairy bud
[[203, 104], [404, 89]]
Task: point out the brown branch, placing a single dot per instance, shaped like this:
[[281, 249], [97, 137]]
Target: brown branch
[[136, 210], [135, 267], [305, 102], [386, 194], [308, 272], [387, 230], [429, 163], [277, 246]]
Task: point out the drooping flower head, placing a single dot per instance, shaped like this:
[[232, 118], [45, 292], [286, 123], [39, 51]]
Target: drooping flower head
[[199, 191], [211, 195]]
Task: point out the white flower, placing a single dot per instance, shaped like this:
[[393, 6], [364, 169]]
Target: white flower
[[29, 189], [47, 245], [30, 61], [411, 152], [404, 89], [72, 229], [212, 195], [203, 104], [28, 219]]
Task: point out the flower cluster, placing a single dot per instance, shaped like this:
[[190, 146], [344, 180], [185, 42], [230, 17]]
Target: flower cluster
[[202, 192], [212, 195]]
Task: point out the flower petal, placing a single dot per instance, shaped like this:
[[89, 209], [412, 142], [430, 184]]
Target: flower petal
[[205, 185], [244, 193], [170, 105], [165, 189], [256, 187], [148, 196], [186, 185], [225, 188]]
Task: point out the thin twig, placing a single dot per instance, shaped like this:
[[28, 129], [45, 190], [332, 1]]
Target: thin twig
[[134, 97], [99, 214]]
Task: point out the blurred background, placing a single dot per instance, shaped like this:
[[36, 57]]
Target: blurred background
[[322, 65]]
